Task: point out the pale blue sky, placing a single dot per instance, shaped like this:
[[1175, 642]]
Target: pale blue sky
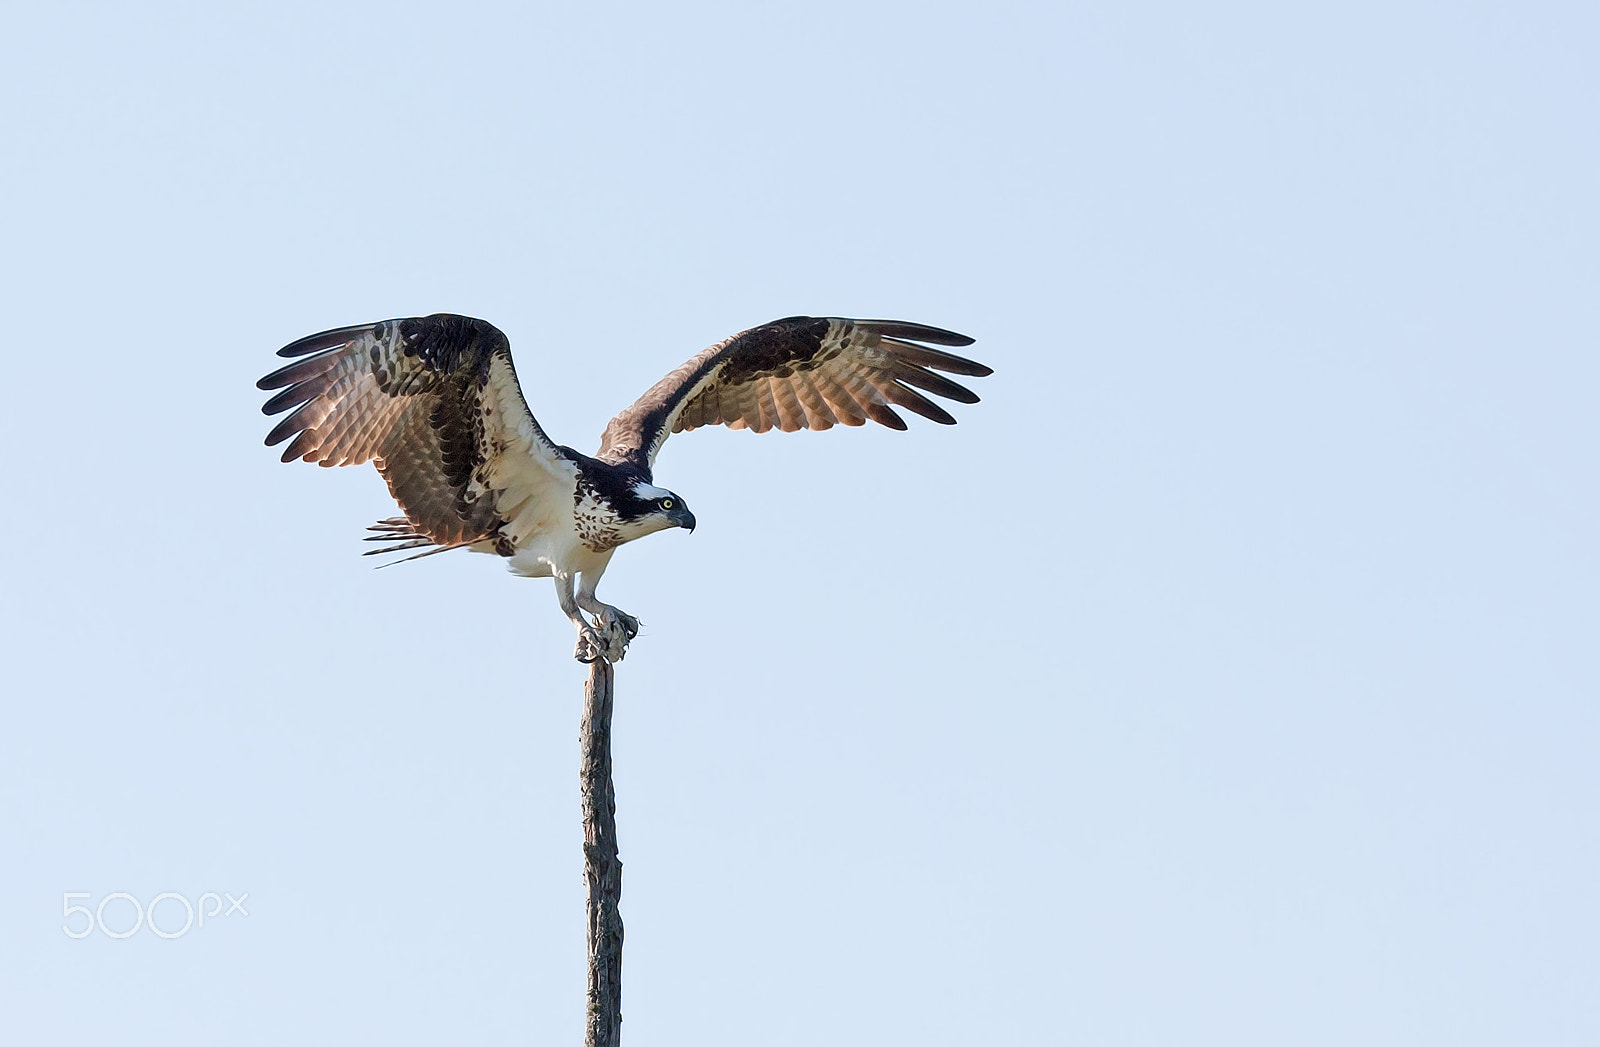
[[1228, 676]]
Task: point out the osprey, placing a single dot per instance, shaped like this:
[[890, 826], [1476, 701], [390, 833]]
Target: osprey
[[434, 403]]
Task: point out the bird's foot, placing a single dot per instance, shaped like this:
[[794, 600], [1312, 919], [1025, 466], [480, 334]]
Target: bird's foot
[[608, 637], [588, 648], [619, 629]]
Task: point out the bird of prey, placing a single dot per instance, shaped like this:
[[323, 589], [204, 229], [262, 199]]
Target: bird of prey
[[434, 403]]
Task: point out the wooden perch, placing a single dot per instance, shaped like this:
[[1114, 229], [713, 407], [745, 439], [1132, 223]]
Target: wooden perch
[[602, 869]]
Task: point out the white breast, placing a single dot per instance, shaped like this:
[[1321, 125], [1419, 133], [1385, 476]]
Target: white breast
[[547, 543]]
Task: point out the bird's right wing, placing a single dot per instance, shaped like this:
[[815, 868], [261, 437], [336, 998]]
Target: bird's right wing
[[434, 402]]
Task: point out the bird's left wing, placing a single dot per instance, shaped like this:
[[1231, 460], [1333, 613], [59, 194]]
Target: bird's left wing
[[803, 372], [434, 402]]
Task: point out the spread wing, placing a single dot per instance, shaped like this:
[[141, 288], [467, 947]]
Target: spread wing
[[433, 402], [800, 373]]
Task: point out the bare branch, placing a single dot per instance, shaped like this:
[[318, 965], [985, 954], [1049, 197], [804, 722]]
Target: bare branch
[[602, 869]]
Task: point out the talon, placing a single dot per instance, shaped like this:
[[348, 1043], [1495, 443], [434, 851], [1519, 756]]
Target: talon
[[589, 646], [618, 621], [612, 631]]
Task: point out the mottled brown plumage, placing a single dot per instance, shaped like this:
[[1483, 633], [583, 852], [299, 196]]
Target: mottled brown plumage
[[799, 373], [410, 396]]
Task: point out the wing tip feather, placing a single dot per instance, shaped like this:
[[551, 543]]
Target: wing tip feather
[[334, 339], [917, 332], [883, 414]]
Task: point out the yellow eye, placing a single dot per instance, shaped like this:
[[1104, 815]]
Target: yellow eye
[[666, 503]]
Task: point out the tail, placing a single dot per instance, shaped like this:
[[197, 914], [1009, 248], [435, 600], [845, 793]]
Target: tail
[[399, 529]]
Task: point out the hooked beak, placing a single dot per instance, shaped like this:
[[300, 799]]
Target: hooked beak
[[682, 517]]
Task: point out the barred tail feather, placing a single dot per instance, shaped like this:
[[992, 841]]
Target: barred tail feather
[[399, 529]]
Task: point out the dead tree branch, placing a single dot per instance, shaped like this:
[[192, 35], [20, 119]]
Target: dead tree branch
[[602, 869]]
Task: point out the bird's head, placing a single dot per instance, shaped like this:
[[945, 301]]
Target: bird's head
[[656, 508]]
